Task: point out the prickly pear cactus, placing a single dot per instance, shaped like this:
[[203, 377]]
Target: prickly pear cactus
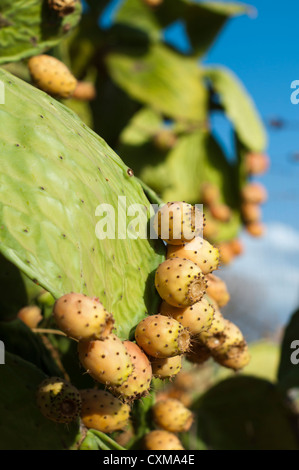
[[57, 172], [28, 28]]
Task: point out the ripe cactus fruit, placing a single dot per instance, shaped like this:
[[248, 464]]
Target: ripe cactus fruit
[[180, 282], [211, 228], [236, 247], [254, 193], [82, 317], [52, 76], [153, 3], [138, 383], [185, 380], [30, 315], [231, 337], [256, 163], [178, 394], [236, 359], [251, 212], [58, 400], [197, 318], [226, 253], [107, 361], [171, 415], [162, 337], [217, 290], [168, 367], [63, 7], [214, 337], [210, 194], [221, 212], [218, 323], [85, 91], [256, 229], [102, 411], [200, 251], [162, 440], [178, 222], [165, 140]]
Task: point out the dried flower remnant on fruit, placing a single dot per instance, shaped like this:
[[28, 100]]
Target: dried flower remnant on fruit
[[58, 400], [180, 282]]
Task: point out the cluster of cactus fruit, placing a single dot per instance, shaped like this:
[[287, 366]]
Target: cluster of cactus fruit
[[192, 295], [252, 196], [189, 323]]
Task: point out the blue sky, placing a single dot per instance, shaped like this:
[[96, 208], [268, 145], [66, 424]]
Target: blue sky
[[264, 282], [263, 53]]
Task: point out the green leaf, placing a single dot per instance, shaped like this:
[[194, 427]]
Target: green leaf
[[239, 108], [21, 341], [57, 172], [111, 109], [191, 441], [142, 420], [245, 413], [161, 78], [13, 295], [90, 442], [142, 127], [16, 290], [105, 442], [288, 373], [203, 20], [137, 14], [29, 28], [22, 426]]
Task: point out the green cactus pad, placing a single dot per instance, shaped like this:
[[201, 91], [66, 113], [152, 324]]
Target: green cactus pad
[[13, 295], [245, 413], [29, 27], [162, 79], [239, 108], [22, 426], [55, 172], [20, 340]]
